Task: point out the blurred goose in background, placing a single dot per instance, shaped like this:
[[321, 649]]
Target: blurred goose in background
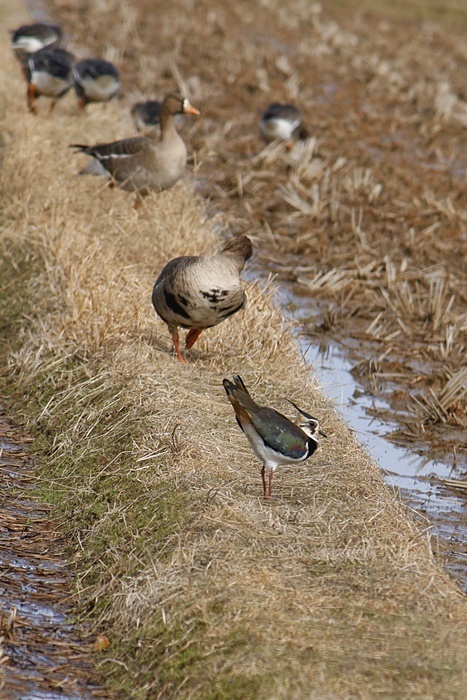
[[274, 439], [282, 122], [30, 38], [95, 80], [142, 163], [146, 114], [197, 292], [49, 73]]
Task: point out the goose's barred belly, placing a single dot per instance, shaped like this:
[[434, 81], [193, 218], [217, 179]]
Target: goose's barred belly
[[204, 309]]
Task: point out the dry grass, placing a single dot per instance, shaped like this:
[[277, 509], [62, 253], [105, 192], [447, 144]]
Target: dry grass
[[204, 590]]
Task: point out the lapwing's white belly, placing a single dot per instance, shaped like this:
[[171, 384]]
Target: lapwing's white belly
[[268, 457]]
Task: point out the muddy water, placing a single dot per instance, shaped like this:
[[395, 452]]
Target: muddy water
[[414, 473], [42, 655]]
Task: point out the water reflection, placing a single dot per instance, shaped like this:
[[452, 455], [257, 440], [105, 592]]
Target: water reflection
[[44, 656], [416, 477]]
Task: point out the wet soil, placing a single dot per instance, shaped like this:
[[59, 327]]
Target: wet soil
[[43, 654]]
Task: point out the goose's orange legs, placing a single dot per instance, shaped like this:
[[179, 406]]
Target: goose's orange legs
[[175, 338], [192, 337]]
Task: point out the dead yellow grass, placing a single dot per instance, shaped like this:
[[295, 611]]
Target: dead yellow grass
[[206, 592]]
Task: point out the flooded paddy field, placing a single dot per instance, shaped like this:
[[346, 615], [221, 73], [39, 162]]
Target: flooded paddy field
[[429, 474]]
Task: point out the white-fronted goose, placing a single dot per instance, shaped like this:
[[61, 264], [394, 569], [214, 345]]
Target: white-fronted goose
[[141, 163], [282, 122], [49, 73], [197, 292], [30, 38], [146, 114], [95, 80]]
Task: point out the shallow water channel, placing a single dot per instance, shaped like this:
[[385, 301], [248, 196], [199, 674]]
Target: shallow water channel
[[43, 656], [415, 475]]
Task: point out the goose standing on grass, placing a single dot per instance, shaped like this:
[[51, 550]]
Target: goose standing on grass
[[30, 38], [282, 122], [95, 80], [197, 292], [146, 114], [140, 164], [274, 439], [49, 72]]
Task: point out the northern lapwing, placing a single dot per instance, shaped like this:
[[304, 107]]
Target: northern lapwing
[[274, 439]]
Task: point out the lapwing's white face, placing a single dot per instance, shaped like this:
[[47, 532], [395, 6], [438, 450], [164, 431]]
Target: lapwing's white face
[[311, 428]]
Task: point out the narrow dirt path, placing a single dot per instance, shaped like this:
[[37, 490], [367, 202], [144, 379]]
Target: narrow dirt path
[[42, 654]]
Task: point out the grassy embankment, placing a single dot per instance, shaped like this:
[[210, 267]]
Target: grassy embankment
[[205, 591]]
